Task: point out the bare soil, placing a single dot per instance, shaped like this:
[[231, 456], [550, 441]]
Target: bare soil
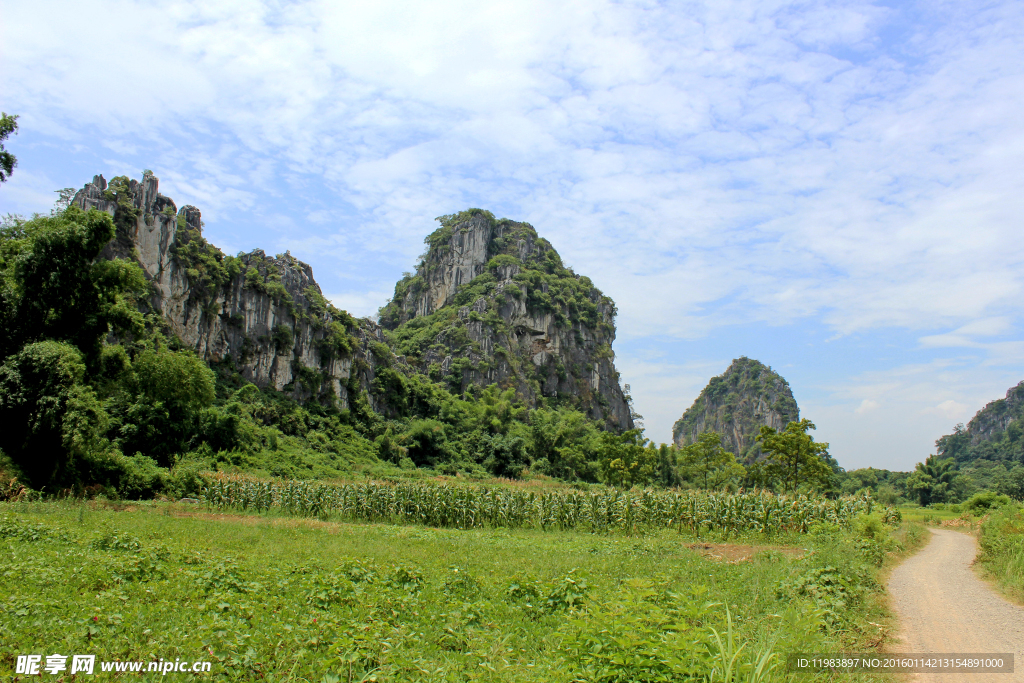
[[735, 552], [944, 608]]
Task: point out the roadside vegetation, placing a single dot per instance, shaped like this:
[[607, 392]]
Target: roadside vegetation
[[1002, 549]]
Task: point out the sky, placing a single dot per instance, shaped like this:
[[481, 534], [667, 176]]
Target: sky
[[832, 188]]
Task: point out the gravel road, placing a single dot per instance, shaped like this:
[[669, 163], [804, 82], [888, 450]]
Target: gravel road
[[945, 608]]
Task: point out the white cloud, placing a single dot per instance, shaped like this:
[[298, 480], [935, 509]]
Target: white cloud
[[951, 410], [866, 406], [708, 164]]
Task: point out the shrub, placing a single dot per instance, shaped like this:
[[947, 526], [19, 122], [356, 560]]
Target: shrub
[[986, 500]]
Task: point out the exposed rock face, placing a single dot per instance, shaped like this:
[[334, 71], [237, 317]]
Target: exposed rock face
[[491, 303], [736, 404], [991, 422], [995, 433], [266, 316]]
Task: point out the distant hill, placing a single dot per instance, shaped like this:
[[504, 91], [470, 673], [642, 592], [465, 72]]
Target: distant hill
[[736, 404], [993, 434]]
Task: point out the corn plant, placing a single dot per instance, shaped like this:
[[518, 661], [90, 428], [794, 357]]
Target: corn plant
[[598, 511]]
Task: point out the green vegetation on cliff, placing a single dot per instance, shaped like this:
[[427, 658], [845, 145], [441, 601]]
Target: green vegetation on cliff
[[492, 302], [99, 395], [995, 434], [94, 393], [736, 404]]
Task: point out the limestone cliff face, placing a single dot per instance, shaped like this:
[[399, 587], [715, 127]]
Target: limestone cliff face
[[491, 303], [995, 433], [265, 316], [991, 422], [737, 404]]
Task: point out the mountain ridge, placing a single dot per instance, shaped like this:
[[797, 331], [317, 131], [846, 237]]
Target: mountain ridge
[[996, 432], [490, 303]]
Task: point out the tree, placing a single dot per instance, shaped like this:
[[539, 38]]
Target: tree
[[50, 418], [708, 462], [624, 460], [506, 455], [793, 458], [160, 406], [931, 480], [53, 286], [956, 445], [8, 125], [668, 461], [1012, 483], [564, 444]]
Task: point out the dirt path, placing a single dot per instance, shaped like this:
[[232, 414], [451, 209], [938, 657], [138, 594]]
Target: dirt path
[[945, 608]]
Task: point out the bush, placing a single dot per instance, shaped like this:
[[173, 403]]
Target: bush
[[141, 477], [986, 500], [870, 527]]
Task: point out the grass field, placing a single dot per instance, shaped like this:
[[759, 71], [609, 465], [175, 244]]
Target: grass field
[[266, 597]]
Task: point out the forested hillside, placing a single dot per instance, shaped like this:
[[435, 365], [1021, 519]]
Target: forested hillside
[[136, 353], [491, 302]]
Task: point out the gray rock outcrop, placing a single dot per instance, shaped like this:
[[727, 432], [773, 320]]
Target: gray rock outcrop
[[264, 316], [736, 404], [991, 422], [491, 303]]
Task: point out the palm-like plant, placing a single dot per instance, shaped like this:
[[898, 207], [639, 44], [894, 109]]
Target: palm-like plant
[[932, 477]]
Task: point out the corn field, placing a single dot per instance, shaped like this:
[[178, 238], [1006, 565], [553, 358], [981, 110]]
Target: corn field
[[598, 511]]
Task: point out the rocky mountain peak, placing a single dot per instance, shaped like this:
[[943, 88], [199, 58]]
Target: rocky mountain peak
[[736, 404], [490, 302], [995, 433]]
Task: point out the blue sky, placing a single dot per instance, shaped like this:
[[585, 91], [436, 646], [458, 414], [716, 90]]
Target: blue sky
[[833, 188]]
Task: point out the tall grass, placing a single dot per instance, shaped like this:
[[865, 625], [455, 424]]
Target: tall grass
[[1002, 548], [599, 510]]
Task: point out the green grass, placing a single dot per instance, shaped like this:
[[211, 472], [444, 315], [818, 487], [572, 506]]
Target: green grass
[[1002, 549], [935, 516], [266, 597]]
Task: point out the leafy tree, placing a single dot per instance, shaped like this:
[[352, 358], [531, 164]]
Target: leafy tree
[[667, 468], [52, 286], [956, 445], [624, 460], [427, 443], [51, 420], [1012, 483], [708, 462], [859, 480], [507, 456], [8, 125], [494, 411], [161, 405], [931, 480], [564, 443], [793, 457]]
